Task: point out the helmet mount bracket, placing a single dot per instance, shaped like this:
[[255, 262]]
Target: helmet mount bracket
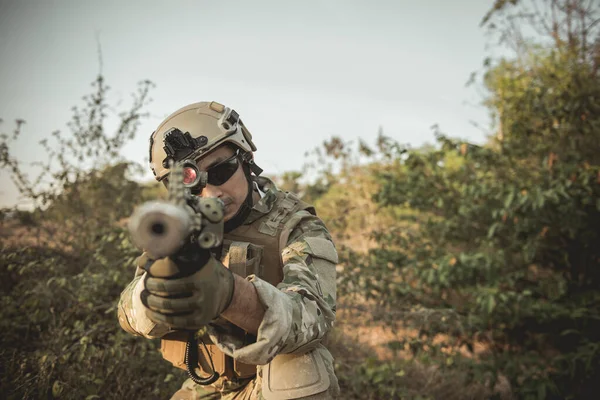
[[179, 145]]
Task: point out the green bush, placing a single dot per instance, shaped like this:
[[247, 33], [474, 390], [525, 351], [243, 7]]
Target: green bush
[[61, 337], [508, 249]]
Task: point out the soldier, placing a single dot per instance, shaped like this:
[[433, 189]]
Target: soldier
[[269, 292]]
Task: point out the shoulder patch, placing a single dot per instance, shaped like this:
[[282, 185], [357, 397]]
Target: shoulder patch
[[322, 248]]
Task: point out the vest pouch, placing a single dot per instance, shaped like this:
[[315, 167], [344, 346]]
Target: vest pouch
[[293, 376], [225, 365], [244, 370], [172, 347], [173, 350], [243, 258]]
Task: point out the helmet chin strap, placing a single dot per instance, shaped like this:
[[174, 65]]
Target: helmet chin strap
[[244, 211]]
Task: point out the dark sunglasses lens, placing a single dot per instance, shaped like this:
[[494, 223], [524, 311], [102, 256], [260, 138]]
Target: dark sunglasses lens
[[221, 173]]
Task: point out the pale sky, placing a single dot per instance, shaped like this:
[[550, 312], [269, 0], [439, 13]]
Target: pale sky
[[296, 71]]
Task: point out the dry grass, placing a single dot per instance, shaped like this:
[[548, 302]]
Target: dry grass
[[358, 337], [47, 234]]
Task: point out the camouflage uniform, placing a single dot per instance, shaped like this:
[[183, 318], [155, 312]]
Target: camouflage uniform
[[299, 311]]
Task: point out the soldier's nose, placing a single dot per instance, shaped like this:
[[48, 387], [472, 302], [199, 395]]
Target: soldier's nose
[[212, 191]]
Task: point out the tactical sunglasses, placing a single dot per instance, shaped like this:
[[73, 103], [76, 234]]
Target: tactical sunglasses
[[218, 174], [221, 172]]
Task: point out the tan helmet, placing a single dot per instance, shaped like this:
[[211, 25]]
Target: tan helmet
[[197, 129]]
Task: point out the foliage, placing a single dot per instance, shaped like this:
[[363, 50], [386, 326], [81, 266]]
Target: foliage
[[403, 379], [339, 178], [84, 182], [487, 255], [61, 338], [61, 281], [508, 248]]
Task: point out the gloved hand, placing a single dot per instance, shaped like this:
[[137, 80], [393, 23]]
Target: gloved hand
[[183, 299]]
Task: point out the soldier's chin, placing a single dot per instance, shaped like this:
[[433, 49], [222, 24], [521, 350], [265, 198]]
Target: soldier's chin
[[230, 211]]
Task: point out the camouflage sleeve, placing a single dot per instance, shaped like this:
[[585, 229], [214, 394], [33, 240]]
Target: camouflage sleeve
[[131, 311], [301, 309]]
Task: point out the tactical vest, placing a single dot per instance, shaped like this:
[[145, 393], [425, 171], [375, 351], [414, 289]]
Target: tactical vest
[[254, 248]]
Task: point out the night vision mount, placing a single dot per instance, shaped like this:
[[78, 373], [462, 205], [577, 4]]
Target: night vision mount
[[179, 146]]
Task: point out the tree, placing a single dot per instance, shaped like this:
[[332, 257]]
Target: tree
[[84, 184], [508, 251]]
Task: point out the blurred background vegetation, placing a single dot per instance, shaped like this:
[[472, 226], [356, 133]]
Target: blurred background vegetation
[[467, 271]]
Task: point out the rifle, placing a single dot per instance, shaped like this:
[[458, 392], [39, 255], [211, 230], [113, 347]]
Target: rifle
[[163, 228]]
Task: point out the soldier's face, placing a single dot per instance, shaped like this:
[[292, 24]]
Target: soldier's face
[[233, 192]]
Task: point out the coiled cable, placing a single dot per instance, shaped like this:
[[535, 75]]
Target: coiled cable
[[191, 361]]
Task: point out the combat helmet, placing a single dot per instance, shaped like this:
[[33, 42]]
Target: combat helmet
[[195, 130]]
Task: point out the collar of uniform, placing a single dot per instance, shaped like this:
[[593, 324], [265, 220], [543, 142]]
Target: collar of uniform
[[265, 204]]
